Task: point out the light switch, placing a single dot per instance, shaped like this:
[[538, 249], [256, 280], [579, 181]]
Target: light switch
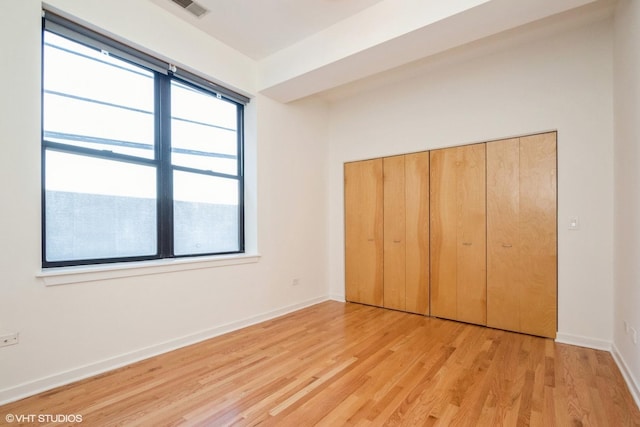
[[574, 224]]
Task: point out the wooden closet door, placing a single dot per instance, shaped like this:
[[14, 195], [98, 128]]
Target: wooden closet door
[[394, 233], [522, 230], [458, 233], [538, 225], [363, 192], [504, 288], [417, 232]]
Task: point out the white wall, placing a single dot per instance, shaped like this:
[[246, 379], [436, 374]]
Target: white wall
[[74, 330], [627, 188], [557, 80]]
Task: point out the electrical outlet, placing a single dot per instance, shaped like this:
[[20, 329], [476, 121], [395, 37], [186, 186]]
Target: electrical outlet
[[574, 223], [8, 338], [634, 335]]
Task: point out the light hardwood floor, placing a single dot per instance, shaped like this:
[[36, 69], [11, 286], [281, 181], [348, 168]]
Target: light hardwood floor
[[336, 364]]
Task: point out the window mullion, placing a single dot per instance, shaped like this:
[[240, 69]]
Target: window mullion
[[165, 173], [100, 154], [240, 151]]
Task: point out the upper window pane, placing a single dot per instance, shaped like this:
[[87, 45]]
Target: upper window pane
[[96, 101], [203, 130]]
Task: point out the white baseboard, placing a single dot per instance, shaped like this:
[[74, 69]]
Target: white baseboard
[[30, 388], [581, 341], [632, 382], [337, 297]]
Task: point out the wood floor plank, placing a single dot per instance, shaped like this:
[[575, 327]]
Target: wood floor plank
[[336, 364]]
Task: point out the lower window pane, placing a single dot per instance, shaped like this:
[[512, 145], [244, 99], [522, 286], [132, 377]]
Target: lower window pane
[[206, 214], [97, 208]]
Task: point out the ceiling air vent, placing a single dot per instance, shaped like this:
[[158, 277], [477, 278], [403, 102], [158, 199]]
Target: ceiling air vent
[[193, 7]]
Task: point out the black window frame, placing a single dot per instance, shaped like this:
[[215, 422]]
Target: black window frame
[[164, 74]]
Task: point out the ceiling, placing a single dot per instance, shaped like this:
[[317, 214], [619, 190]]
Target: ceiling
[[273, 24], [306, 47]]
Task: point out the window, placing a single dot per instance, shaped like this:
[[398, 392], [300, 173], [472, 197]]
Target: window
[[140, 160]]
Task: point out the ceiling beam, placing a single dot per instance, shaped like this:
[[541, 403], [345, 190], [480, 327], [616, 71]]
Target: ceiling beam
[[390, 34]]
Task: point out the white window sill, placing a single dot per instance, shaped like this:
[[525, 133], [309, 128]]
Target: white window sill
[[90, 273]]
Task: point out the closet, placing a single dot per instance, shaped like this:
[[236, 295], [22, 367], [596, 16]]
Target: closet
[[465, 233]]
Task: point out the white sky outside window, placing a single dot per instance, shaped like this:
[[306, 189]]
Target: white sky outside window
[[98, 90]]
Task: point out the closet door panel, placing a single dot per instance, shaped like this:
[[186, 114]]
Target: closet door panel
[[364, 232], [443, 233], [394, 232], [538, 224], [471, 213], [417, 235], [522, 230], [458, 234], [504, 293]]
